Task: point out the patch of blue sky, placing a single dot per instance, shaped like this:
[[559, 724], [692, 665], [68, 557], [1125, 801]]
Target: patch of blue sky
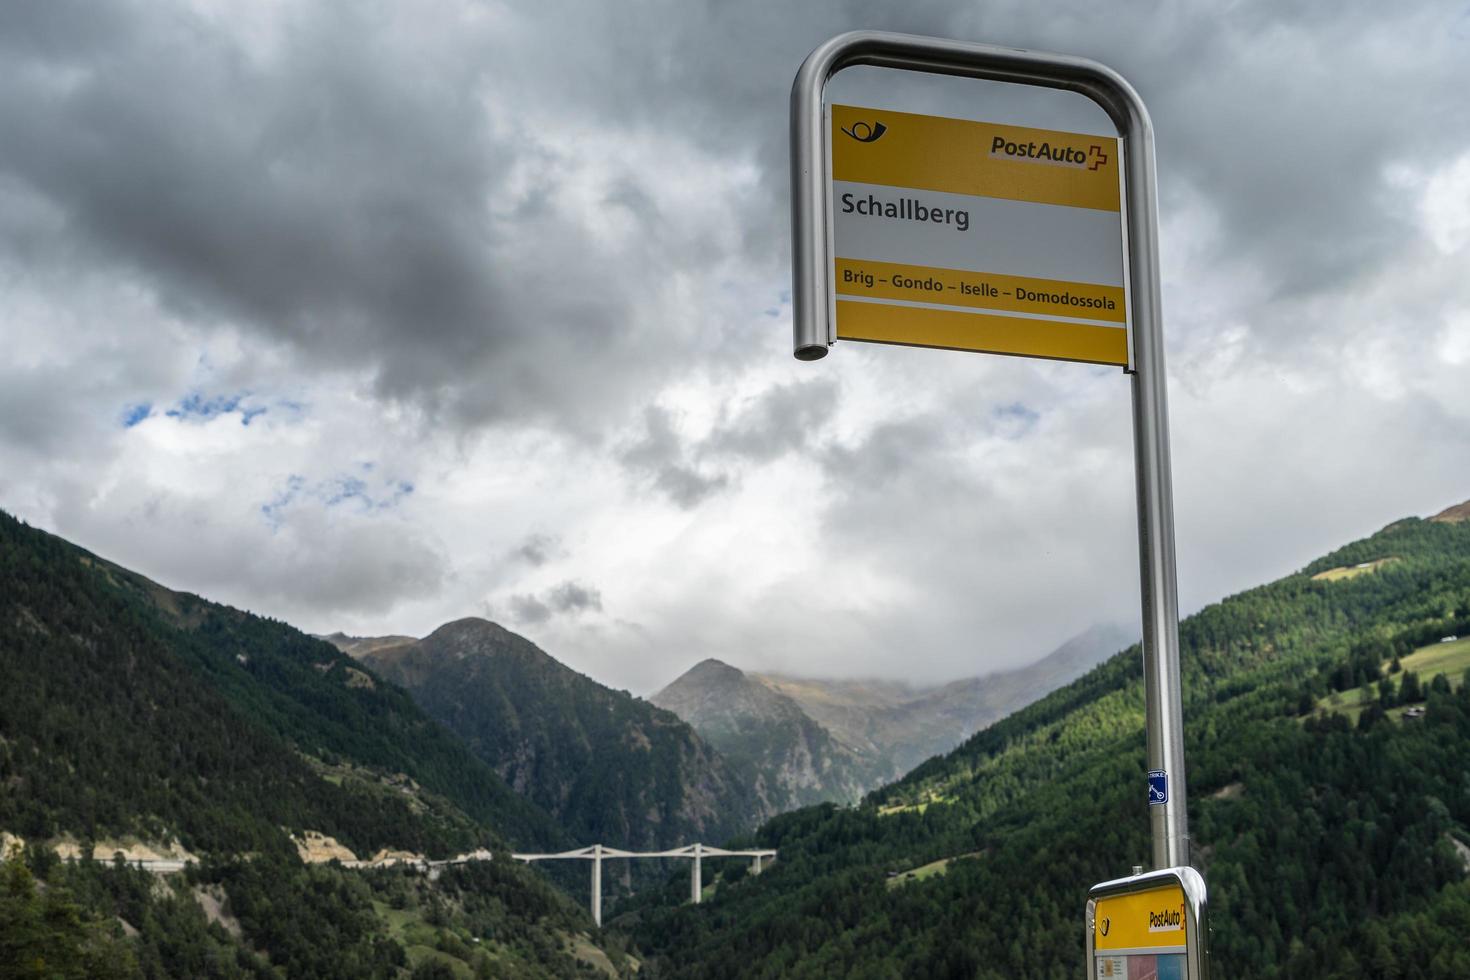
[[133, 414], [1015, 420], [350, 489], [337, 491], [195, 406], [1015, 410], [271, 510], [345, 488]]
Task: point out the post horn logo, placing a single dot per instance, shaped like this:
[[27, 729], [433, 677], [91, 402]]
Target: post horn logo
[[864, 133]]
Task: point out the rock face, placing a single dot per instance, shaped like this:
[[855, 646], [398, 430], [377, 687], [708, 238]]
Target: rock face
[[608, 766], [757, 726], [814, 739], [315, 847]]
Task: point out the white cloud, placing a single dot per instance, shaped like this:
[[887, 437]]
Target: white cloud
[[531, 261]]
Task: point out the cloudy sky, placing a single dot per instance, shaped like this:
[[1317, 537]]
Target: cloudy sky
[[368, 316]]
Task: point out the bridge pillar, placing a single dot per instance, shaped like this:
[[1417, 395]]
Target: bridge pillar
[[755, 866], [597, 884], [696, 879]]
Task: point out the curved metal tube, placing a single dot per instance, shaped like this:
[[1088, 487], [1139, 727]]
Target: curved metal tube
[[813, 322]]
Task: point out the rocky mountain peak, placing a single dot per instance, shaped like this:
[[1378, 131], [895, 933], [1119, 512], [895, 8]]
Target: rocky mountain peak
[[473, 636], [712, 671]]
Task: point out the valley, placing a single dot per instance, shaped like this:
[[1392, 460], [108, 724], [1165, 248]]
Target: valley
[[271, 780]]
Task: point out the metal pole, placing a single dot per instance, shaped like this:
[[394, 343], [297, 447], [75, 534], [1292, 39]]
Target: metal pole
[[813, 325], [597, 884], [1163, 698]]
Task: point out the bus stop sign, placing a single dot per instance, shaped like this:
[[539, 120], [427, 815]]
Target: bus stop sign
[[1148, 927], [976, 236]]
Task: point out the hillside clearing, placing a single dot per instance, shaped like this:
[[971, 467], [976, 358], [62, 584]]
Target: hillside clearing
[[918, 807], [1450, 659], [931, 870], [1351, 571]]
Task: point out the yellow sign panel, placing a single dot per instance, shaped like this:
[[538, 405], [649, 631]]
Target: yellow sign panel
[[1151, 921], [952, 330], [955, 287], [975, 236], [985, 159]]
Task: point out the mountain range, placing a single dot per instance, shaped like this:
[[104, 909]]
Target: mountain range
[[768, 732], [138, 719], [607, 766], [1327, 728], [819, 739]]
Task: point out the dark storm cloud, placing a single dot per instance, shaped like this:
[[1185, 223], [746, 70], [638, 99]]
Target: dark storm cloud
[[332, 191], [537, 550], [30, 419], [574, 597], [782, 419], [891, 451], [542, 215], [687, 487], [529, 609], [568, 598], [662, 459], [1283, 116], [369, 185]]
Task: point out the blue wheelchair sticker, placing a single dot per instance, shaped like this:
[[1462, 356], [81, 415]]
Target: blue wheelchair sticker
[[1158, 787]]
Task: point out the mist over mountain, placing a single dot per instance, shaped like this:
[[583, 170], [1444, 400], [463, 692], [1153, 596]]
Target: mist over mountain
[[817, 739], [760, 727], [1327, 724]]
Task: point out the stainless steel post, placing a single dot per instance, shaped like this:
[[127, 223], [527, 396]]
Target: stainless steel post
[[597, 883], [813, 326]]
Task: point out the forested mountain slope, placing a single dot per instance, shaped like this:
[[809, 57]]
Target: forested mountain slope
[[129, 712], [1331, 835], [610, 767], [268, 918], [128, 708]]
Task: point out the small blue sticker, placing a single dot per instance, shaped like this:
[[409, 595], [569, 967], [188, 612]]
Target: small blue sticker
[[1158, 787]]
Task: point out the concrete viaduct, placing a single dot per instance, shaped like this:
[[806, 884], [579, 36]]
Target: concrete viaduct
[[695, 852], [595, 853]]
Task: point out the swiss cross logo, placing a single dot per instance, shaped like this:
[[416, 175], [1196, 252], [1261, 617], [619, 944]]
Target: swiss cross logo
[[1097, 156]]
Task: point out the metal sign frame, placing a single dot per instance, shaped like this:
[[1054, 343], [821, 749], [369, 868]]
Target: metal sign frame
[[1196, 910], [811, 222]]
